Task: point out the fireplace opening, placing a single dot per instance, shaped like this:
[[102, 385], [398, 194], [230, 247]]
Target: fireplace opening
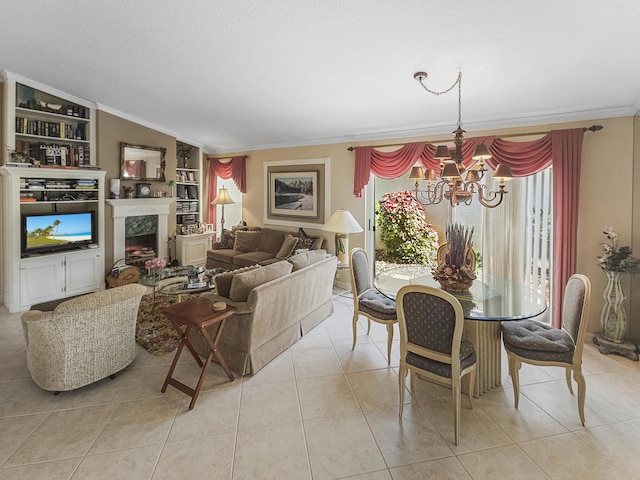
[[141, 239]]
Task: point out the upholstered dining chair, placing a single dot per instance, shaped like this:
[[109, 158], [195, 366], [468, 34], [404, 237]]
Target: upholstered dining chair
[[431, 345], [536, 343], [369, 302]]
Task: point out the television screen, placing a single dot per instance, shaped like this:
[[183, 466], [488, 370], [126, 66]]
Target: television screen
[[59, 231]]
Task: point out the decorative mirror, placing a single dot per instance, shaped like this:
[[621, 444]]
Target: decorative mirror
[[139, 162]]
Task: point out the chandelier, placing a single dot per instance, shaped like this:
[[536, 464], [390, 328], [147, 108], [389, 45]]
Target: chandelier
[[450, 184]]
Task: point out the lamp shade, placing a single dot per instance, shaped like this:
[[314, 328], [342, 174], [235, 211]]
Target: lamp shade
[[482, 153], [450, 170], [417, 173], [442, 152], [502, 173], [342, 222], [223, 197]]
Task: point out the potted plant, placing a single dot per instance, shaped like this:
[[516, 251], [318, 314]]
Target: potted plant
[[616, 262], [456, 271]]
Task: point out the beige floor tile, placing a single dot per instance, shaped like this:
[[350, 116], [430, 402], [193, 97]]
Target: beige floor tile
[[477, 430], [635, 424], [274, 452], [618, 443], [341, 446], [316, 338], [269, 404], [13, 359], [363, 357], [376, 388], [137, 423], [625, 384], [59, 470], [146, 382], [63, 434], [15, 430], [528, 422], [411, 439], [215, 412], [565, 456], [209, 457], [442, 469], [130, 464], [381, 475], [316, 362], [502, 462], [99, 393], [23, 397], [326, 397], [280, 369], [395, 350], [214, 379]]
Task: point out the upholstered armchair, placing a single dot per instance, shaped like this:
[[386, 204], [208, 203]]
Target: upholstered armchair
[[84, 339]]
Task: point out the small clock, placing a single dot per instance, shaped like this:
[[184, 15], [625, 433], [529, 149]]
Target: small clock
[[143, 190]]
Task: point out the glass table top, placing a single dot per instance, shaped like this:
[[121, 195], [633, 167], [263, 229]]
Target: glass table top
[[489, 298]]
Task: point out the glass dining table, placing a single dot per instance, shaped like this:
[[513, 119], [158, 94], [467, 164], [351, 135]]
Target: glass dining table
[[489, 301]]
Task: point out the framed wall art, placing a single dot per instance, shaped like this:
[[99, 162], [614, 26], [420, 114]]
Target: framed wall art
[[297, 192]]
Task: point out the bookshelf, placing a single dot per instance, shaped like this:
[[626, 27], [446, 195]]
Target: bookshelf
[[188, 185]]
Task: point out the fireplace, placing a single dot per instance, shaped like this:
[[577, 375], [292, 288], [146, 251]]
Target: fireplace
[[148, 233]]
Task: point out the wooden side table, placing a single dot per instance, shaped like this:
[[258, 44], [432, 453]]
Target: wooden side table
[[196, 313]]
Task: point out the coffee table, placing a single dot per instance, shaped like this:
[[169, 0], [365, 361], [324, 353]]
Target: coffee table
[[184, 287], [196, 313]]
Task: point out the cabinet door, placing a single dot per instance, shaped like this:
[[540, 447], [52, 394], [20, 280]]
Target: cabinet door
[[42, 280], [192, 249], [83, 272]]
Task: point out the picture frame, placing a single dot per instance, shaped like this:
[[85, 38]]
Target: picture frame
[[297, 192], [209, 228]]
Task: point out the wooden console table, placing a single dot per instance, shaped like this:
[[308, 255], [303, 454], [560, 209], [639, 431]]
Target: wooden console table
[[196, 313]]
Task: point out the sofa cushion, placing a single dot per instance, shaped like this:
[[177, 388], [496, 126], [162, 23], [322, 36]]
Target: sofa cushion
[[271, 240], [247, 241], [223, 256], [223, 280], [305, 259], [287, 247], [251, 258], [227, 239], [243, 283]]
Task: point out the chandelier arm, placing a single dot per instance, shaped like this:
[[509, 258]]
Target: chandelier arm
[[433, 194], [493, 199]]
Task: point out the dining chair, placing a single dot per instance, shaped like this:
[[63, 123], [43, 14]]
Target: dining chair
[[368, 301], [536, 343], [431, 344]]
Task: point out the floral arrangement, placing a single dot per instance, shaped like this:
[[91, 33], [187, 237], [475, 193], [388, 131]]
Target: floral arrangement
[[456, 267], [617, 259], [405, 233], [155, 262]]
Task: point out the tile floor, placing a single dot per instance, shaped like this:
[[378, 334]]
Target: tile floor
[[318, 411]]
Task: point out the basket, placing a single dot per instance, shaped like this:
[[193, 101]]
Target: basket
[[122, 275]]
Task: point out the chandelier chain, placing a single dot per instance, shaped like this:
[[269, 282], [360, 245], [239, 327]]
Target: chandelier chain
[[457, 82]]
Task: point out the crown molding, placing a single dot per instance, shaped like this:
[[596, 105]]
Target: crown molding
[[14, 77]]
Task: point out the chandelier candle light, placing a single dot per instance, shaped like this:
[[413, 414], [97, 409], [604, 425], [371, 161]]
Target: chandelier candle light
[[451, 185], [342, 223]]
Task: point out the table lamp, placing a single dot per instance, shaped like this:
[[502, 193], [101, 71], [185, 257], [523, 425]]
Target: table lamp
[[223, 199], [342, 223]]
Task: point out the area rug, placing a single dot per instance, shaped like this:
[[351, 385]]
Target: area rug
[[153, 331]]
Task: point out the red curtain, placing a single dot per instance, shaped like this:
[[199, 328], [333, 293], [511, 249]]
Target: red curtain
[[234, 169], [560, 148]]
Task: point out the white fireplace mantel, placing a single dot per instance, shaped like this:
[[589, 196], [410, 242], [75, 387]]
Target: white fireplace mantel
[[135, 207]]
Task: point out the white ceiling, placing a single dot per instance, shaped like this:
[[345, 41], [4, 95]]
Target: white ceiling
[[237, 75]]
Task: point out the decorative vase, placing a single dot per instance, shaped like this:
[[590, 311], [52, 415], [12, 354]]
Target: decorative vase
[[613, 317]]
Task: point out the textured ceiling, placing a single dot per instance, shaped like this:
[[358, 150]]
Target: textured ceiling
[[236, 75]]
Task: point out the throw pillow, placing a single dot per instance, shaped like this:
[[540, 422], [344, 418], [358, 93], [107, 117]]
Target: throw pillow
[[227, 239], [223, 280], [287, 247], [305, 241], [305, 259], [243, 283], [246, 241]]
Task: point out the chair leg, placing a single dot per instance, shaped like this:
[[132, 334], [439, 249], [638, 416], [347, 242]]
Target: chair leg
[[402, 381], [389, 341], [582, 392], [472, 383], [355, 330], [567, 372], [514, 366], [456, 413], [368, 325]]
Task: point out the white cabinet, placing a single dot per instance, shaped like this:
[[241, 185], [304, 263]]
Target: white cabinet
[[188, 185], [50, 277], [192, 249]]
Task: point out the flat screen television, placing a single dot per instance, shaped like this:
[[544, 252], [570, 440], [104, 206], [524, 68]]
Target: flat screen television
[[54, 232]]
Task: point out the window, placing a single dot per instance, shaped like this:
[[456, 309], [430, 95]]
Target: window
[[233, 211]]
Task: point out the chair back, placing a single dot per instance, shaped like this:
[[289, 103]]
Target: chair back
[[360, 277], [431, 322], [575, 310]]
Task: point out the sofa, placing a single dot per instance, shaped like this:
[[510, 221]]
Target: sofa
[[246, 246], [276, 305], [84, 339]]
